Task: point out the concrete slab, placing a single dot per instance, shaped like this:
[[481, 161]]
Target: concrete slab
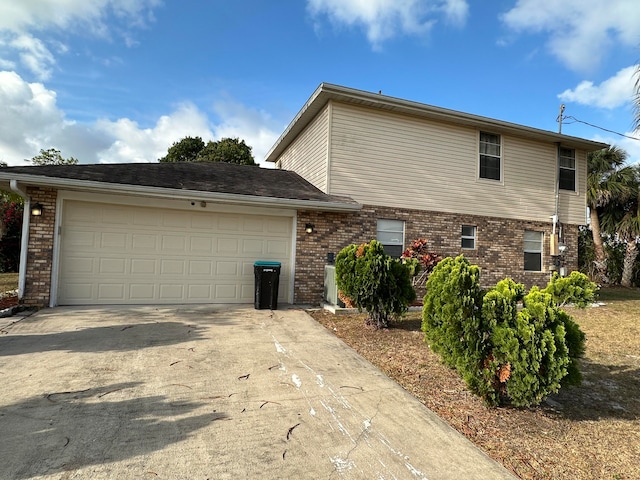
[[209, 392]]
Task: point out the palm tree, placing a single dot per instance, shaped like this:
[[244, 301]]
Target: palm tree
[[608, 180], [622, 218]]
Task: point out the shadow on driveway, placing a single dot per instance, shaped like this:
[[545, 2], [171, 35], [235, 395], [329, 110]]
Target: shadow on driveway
[[101, 339], [65, 431]]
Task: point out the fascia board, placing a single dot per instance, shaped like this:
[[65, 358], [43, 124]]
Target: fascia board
[[161, 192]]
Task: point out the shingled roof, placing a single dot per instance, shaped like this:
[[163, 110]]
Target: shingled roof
[[186, 177]]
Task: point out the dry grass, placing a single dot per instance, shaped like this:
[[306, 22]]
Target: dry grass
[[586, 432], [8, 281]]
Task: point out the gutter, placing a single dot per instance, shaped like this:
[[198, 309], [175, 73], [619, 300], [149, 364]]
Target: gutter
[[24, 241], [172, 193]]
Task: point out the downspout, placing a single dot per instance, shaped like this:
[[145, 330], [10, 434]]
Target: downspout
[[557, 188], [24, 241]]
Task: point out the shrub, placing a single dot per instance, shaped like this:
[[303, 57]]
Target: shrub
[[505, 354], [576, 289], [10, 235], [374, 282]]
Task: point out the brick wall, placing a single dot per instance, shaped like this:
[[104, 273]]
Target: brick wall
[[499, 243], [37, 290]]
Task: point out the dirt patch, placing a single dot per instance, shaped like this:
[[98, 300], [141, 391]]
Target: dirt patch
[[585, 432]]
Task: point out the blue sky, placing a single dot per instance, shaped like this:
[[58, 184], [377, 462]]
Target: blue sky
[[121, 80]]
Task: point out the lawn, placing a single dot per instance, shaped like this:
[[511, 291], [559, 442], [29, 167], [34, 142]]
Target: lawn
[[586, 432]]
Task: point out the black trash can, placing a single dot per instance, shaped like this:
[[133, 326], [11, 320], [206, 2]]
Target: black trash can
[[267, 278]]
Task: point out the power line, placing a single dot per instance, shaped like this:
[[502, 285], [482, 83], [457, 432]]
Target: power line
[[596, 126]]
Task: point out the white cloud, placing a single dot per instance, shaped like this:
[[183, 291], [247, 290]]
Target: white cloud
[[20, 19], [31, 120], [34, 55], [23, 15], [384, 19], [134, 144], [581, 32], [611, 93]]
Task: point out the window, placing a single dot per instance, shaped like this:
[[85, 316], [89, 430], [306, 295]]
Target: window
[[567, 174], [533, 251], [391, 236], [468, 237], [490, 156]]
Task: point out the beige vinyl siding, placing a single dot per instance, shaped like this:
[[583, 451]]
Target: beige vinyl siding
[[307, 154], [386, 159]]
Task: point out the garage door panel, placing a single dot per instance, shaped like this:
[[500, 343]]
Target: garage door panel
[[151, 255]]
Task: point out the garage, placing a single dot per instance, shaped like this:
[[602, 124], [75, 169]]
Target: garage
[[125, 254]]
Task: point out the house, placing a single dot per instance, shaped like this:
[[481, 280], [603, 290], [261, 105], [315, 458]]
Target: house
[[508, 197], [165, 233], [352, 166]]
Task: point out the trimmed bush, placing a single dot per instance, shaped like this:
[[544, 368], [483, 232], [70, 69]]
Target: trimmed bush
[[374, 282], [506, 354]]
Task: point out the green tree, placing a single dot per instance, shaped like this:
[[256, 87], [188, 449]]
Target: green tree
[[622, 218], [374, 281], [608, 180], [185, 150], [229, 150], [52, 156]]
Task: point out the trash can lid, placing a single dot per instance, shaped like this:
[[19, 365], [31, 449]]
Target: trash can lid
[[266, 263]]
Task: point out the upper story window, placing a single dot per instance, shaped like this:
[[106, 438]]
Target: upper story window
[[468, 237], [533, 242], [490, 156], [391, 235], [567, 174]]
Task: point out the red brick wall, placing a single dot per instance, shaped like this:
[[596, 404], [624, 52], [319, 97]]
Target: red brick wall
[[37, 290], [499, 243]]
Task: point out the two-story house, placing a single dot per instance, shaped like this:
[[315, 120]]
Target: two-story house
[[352, 166]]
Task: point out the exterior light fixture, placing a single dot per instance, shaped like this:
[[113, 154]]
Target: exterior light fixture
[[37, 209], [309, 227]]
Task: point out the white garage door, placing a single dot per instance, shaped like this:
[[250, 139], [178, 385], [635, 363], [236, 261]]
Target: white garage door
[[117, 254]]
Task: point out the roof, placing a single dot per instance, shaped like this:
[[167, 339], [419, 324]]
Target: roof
[[214, 181], [327, 92]]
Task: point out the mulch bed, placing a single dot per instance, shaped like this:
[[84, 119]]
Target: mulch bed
[[8, 302], [561, 439]]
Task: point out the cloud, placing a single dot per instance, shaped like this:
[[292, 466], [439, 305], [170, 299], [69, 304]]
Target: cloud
[[611, 93], [384, 19], [580, 32], [20, 19], [32, 120], [34, 55]]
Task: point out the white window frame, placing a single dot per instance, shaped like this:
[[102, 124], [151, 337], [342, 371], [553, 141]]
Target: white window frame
[[571, 160], [484, 154], [390, 233], [472, 237], [528, 248]]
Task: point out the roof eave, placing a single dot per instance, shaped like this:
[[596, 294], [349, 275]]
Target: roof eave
[[162, 192], [326, 92]]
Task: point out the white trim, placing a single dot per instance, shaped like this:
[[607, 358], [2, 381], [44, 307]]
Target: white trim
[[294, 243], [172, 193], [55, 257], [24, 240], [327, 188]]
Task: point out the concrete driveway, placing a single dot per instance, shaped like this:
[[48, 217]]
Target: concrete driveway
[[209, 392]]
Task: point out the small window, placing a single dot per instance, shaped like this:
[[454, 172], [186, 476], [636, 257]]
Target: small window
[[533, 251], [391, 236], [468, 237], [490, 156], [567, 174]]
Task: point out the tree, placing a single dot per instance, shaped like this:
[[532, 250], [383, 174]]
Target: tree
[[622, 218], [229, 150], [185, 150], [193, 149], [52, 156], [608, 180]]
